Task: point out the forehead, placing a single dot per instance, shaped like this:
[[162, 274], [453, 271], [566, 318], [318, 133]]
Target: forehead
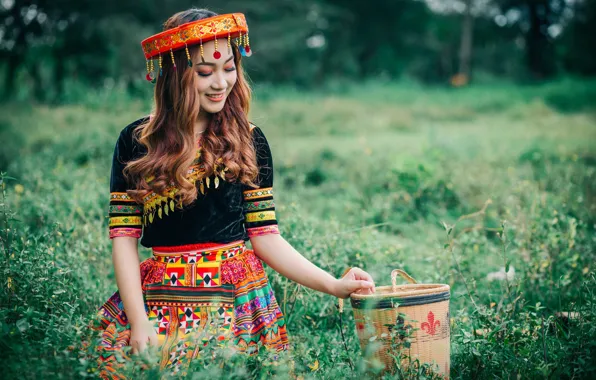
[[209, 49]]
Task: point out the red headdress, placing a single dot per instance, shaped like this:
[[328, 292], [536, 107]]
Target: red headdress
[[228, 26]]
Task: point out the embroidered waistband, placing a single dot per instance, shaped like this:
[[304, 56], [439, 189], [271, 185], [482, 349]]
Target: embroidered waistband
[[200, 252]]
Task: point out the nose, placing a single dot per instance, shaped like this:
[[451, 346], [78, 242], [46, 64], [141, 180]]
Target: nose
[[219, 81]]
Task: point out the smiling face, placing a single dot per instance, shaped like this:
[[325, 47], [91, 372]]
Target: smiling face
[[216, 77]]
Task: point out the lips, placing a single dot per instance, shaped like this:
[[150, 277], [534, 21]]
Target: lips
[[216, 97]]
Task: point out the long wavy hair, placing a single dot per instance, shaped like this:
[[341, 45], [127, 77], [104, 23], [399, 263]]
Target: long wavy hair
[[169, 133]]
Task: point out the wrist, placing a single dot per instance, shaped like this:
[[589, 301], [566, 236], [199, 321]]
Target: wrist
[[332, 287], [138, 321]]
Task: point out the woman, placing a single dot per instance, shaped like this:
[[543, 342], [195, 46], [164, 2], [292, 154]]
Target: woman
[[195, 181]]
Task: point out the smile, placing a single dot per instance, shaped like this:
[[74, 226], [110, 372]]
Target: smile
[[216, 97]]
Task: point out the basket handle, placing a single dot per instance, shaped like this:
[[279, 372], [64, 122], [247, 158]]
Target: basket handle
[[341, 301], [402, 273]]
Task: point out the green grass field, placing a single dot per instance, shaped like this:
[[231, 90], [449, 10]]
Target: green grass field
[[372, 176]]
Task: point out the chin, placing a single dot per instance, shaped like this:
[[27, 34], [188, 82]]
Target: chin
[[213, 108]]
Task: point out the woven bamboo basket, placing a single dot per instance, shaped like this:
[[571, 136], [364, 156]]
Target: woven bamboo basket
[[418, 316]]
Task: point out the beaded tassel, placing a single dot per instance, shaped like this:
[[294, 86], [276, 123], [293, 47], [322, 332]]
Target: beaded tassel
[[241, 47], [151, 71], [216, 54], [160, 66], [188, 56], [201, 47], [172, 55], [247, 45]]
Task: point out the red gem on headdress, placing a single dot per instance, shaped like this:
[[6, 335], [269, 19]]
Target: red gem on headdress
[[247, 49], [148, 77], [217, 55]]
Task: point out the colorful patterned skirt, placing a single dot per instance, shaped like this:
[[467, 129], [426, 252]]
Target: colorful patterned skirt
[[196, 294]]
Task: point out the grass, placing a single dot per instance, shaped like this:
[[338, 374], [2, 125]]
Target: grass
[[378, 175]]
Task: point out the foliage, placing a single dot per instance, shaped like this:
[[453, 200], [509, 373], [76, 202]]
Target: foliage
[[452, 186]]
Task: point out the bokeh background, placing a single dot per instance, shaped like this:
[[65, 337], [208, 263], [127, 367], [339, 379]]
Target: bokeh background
[[452, 138]]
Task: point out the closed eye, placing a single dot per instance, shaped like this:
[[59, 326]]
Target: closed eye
[[205, 74]]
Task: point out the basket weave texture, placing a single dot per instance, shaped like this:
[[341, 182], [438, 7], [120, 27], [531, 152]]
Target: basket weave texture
[[419, 312]]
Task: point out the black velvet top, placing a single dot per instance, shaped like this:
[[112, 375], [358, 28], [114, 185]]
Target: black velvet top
[[223, 211]]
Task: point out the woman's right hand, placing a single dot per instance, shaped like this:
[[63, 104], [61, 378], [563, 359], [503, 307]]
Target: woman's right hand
[[141, 334]]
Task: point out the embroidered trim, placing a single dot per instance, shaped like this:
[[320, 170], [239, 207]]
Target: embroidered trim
[[164, 203], [129, 232], [202, 255], [254, 206], [264, 230], [121, 197], [163, 295], [260, 216], [258, 193], [123, 209], [125, 221]]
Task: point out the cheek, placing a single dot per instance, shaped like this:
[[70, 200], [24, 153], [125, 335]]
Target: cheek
[[233, 77], [202, 85]]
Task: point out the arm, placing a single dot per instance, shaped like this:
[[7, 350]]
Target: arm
[[274, 250], [125, 228], [128, 278], [262, 229]]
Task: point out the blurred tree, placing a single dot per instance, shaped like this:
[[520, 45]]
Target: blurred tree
[[578, 50], [465, 49], [537, 17], [46, 45]]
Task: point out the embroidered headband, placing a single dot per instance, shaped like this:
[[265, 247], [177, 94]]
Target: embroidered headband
[[228, 26]]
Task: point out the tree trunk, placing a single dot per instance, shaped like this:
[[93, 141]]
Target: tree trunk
[[465, 47], [539, 51], [14, 62]]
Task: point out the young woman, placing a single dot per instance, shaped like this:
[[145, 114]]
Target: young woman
[[194, 181]]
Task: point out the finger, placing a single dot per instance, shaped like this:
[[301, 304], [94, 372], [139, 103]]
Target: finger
[[356, 285], [142, 345], [134, 347], [153, 340], [362, 275]]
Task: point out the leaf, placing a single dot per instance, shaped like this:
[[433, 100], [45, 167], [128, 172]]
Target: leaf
[[23, 324], [167, 208], [172, 204], [151, 218], [207, 181], [202, 187], [159, 212], [314, 366], [216, 182]]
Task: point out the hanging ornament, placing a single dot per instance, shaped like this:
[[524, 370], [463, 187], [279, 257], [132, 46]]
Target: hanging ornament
[[216, 54], [247, 49], [201, 48], [160, 66], [188, 55], [173, 62]]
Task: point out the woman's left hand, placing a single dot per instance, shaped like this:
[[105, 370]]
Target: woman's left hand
[[355, 281]]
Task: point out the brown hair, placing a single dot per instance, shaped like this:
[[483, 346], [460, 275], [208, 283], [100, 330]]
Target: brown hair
[[169, 134]]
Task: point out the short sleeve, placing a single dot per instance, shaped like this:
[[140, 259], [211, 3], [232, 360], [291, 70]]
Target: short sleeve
[[259, 205], [125, 214]]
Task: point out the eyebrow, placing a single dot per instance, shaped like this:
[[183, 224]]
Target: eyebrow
[[212, 64]]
